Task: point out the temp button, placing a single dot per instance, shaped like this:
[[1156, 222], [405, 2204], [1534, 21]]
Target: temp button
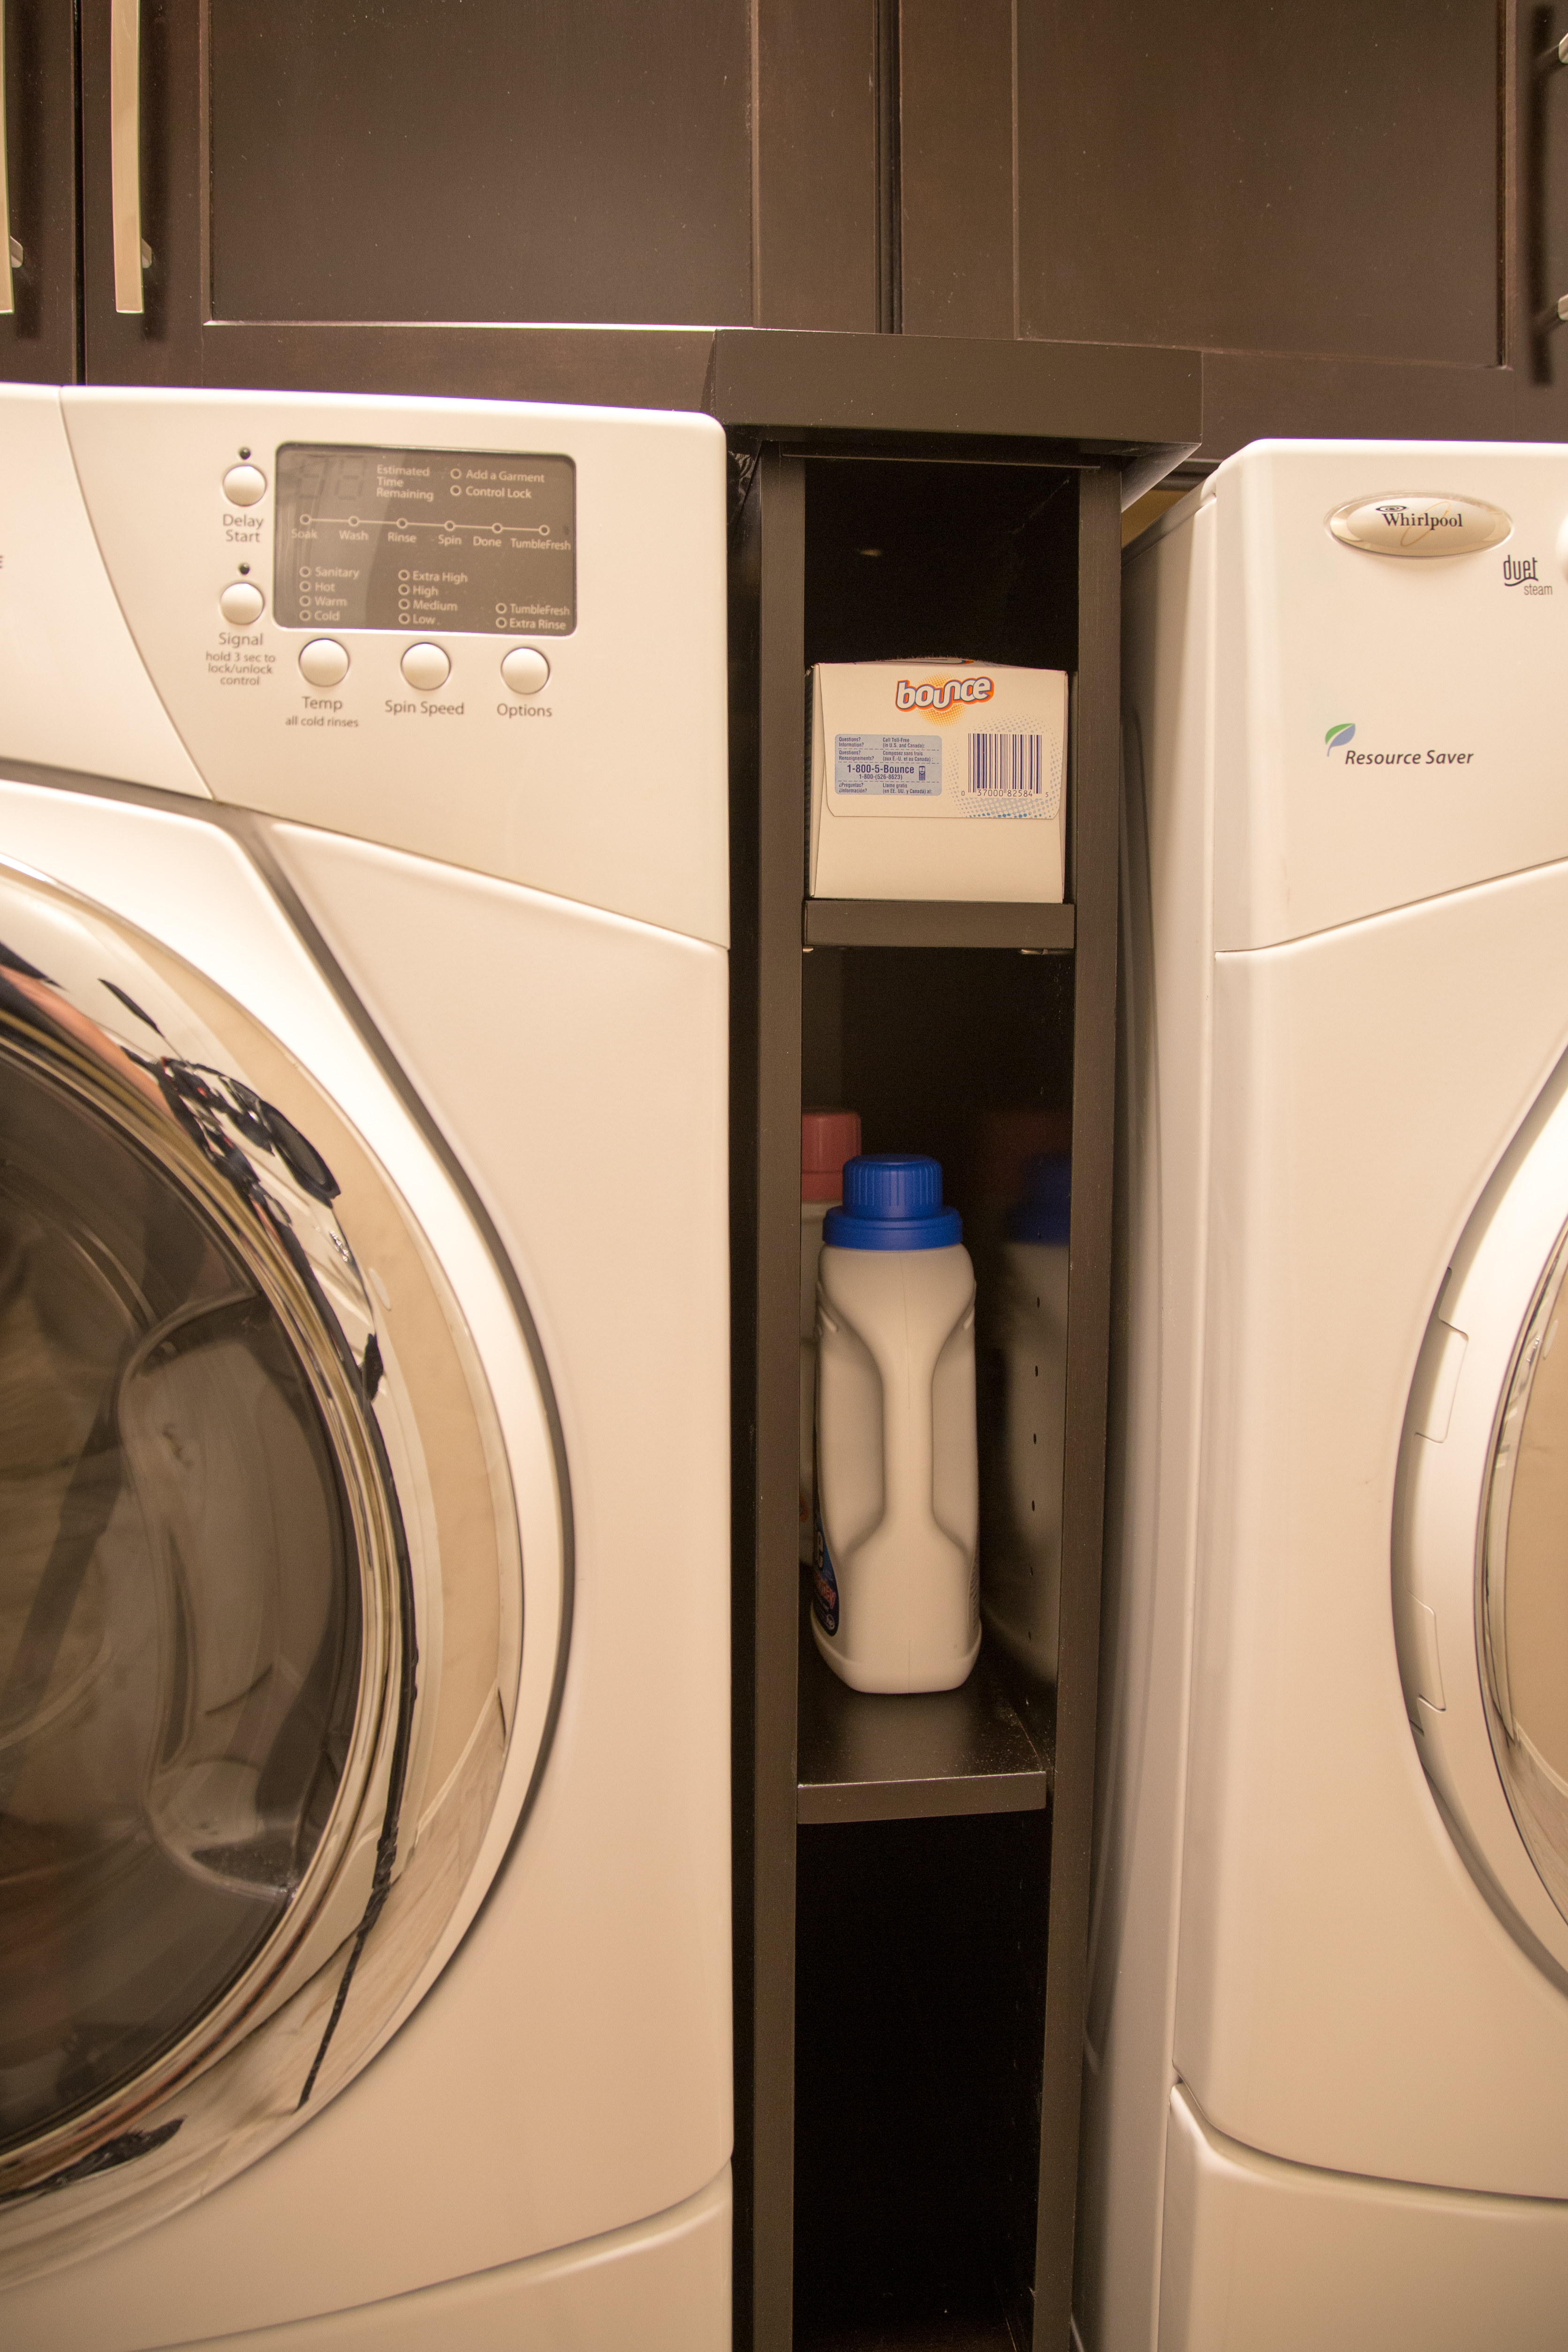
[[323, 661], [242, 602], [524, 670], [243, 485], [426, 667]]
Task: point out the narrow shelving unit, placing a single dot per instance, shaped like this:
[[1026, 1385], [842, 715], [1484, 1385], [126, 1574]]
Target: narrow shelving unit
[[912, 1873]]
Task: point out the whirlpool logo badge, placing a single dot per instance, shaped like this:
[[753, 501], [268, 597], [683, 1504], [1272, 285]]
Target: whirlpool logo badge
[[1338, 737]]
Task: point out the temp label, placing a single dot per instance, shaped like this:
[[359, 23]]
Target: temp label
[[888, 766]]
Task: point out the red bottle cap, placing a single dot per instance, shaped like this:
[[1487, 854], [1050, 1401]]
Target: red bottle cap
[[827, 1137]]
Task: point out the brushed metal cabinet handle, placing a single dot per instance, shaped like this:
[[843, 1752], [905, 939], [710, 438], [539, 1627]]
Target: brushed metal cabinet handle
[[10, 251], [130, 254]]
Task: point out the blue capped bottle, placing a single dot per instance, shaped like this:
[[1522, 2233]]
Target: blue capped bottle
[[896, 1600]]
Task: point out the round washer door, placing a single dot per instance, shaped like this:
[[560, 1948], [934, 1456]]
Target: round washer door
[[264, 1730], [1480, 1549]]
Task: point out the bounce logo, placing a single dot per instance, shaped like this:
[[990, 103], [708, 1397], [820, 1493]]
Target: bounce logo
[[1337, 738], [929, 695]]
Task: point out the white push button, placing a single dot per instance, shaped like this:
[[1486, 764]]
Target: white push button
[[241, 602], [243, 485], [324, 661], [524, 670], [426, 667]]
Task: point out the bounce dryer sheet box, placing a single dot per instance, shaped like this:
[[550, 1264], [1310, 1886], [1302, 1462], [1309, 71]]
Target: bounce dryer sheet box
[[937, 779]]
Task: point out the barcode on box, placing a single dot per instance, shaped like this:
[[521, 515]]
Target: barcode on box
[[1007, 764]]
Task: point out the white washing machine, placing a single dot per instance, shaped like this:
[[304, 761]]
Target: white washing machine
[[1328, 2042], [364, 1921]]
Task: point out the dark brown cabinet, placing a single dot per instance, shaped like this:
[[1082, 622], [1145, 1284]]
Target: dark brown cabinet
[[481, 160], [502, 197], [1360, 215], [38, 331], [1318, 201]]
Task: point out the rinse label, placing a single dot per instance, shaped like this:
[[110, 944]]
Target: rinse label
[[470, 539]]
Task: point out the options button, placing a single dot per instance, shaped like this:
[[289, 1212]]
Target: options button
[[524, 670]]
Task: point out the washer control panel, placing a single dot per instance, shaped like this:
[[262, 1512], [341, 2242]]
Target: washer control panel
[[480, 540], [487, 632]]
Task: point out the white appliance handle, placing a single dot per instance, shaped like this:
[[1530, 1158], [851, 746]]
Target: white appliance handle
[[130, 254]]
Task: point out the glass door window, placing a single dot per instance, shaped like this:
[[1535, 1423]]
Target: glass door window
[[180, 1614]]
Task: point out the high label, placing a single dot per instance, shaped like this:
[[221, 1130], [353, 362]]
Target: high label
[[1423, 524]]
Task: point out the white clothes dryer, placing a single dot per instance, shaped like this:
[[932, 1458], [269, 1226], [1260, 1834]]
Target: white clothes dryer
[[1328, 2039], [364, 1826]]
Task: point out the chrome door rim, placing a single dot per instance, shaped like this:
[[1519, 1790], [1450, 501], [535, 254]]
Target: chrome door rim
[[240, 2080]]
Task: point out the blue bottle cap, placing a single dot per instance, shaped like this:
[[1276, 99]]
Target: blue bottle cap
[[893, 1200], [1043, 1214]]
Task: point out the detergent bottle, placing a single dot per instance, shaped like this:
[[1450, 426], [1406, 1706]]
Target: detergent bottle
[[895, 1592]]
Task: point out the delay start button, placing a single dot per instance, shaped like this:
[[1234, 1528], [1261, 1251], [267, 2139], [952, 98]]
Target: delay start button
[[427, 667], [323, 661], [243, 485], [524, 670]]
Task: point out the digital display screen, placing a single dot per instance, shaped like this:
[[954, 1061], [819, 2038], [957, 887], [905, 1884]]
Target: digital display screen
[[425, 539]]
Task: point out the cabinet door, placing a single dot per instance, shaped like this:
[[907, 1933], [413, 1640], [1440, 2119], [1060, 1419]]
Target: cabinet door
[[1319, 200], [38, 262], [363, 196], [1358, 213], [1540, 223]]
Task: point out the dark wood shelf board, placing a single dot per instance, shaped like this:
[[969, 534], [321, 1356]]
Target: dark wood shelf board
[[947, 2332], [1139, 405], [1110, 397], [867, 1757], [939, 923]]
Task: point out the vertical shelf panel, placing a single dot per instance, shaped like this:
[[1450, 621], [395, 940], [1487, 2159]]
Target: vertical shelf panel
[[770, 566], [1097, 714]]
